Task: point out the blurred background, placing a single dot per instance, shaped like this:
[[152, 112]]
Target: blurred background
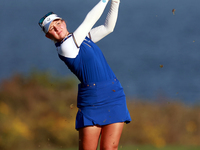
[[154, 52]]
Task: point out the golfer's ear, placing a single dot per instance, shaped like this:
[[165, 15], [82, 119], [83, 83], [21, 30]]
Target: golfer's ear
[[48, 36]]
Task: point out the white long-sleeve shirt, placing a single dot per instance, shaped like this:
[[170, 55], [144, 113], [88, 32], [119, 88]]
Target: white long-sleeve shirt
[[70, 48]]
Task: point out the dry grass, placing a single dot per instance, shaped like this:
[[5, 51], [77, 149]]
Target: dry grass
[[39, 111]]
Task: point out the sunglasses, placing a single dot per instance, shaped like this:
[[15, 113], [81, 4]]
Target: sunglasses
[[42, 19]]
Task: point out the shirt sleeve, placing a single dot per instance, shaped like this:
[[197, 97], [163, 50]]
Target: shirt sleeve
[[101, 31], [92, 17], [68, 48]]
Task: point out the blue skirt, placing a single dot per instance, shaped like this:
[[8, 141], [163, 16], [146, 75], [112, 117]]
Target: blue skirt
[[101, 104]]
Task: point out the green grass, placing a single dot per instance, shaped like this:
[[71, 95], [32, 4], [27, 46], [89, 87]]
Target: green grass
[[146, 147]]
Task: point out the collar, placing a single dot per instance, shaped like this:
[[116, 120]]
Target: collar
[[59, 43]]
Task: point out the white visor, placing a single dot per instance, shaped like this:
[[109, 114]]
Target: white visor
[[47, 21]]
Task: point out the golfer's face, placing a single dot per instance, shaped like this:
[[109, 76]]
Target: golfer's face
[[58, 30]]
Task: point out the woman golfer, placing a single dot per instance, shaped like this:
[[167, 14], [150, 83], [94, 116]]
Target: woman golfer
[[101, 99]]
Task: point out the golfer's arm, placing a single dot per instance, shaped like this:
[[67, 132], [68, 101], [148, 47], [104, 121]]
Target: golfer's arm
[[92, 17], [101, 31]]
